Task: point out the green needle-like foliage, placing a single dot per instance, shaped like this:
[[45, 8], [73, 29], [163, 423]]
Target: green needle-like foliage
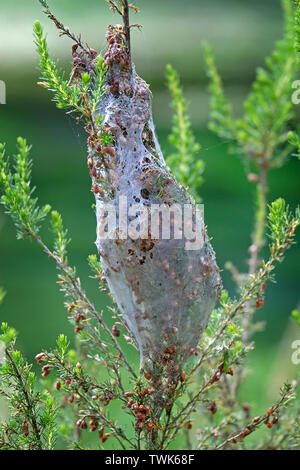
[[81, 96], [293, 137], [262, 133], [60, 236], [17, 194], [65, 97], [32, 413], [221, 122], [99, 78], [184, 162], [281, 221]]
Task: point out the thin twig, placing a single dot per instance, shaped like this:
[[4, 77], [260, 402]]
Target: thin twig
[[83, 297], [64, 30], [254, 260], [127, 27], [82, 381], [251, 427]]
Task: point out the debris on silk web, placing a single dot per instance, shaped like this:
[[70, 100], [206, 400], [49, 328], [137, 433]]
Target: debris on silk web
[[165, 292]]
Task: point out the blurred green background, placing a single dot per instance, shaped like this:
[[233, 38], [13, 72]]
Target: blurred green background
[[242, 34]]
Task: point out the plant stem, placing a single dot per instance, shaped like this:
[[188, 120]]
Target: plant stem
[[127, 26], [260, 223], [257, 245], [30, 412]]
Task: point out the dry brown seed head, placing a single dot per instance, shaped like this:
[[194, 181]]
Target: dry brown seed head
[[40, 356], [105, 437], [275, 420], [150, 426], [115, 330], [71, 398]]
